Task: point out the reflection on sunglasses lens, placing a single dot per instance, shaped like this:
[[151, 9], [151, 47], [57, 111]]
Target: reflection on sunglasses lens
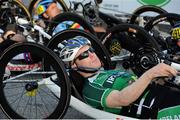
[[85, 54]]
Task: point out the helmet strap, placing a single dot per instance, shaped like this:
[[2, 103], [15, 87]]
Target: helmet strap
[[86, 69]]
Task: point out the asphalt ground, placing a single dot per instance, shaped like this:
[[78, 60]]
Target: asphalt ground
[[71, 114]]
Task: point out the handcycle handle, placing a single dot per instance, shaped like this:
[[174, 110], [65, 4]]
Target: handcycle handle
[[28, 26], [41, 30], [21, 21], [172, 64]]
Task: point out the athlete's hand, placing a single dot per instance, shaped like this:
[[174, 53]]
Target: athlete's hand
[[161, 70], [18, 38], [41, 23], [8, 33]]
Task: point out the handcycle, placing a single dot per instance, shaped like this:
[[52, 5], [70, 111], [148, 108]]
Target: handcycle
[[35, 33], [74, 99], [133, 49], [31, 85], [54, 45], [29, 27]]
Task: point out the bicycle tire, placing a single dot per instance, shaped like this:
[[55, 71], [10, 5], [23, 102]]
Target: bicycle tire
[[132, 45], [14, 112], [23, 10], [145, 8], [170, 17], [69, 16], [130, 27], [70, 33], [61, 2]]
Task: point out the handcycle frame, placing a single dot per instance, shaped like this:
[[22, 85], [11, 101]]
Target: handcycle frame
[[76, 103], [92, 112], [75, 100], [68, 16]]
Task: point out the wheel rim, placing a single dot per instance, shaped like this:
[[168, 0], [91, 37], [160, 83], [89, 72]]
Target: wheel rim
[[28, 96]]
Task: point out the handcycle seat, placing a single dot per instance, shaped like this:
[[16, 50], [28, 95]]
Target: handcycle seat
[[77, 82]]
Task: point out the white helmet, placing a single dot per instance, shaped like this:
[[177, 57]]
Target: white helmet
[[71, 47]]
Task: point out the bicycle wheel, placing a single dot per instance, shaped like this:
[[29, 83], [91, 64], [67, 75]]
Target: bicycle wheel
[[33, 3], [68, 16], [11, 9], [71, 33], [38, 93], [160, 27], [131, 48], [145, 9]]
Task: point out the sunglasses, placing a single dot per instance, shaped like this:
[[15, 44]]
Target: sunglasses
[[85, 54]]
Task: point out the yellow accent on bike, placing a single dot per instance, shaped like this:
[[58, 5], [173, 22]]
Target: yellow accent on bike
[[32, 93], [175, 33], [115, 47]]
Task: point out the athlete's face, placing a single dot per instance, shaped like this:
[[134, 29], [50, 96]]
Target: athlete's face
[[86, 57], [52, 11]]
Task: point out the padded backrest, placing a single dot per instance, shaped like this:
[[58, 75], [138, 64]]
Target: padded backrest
[[77, 81]]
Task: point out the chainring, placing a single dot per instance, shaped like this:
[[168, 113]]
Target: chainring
[[143, 59]]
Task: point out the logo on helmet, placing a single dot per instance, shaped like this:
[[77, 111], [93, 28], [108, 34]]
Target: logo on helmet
[[40, 10]]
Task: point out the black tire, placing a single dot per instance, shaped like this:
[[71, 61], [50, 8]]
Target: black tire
[[171, 18], [143, 9], [97, 45], [134, 29], [17, 8], [134, 40], [33, 2], [69, 16], [18, 101]]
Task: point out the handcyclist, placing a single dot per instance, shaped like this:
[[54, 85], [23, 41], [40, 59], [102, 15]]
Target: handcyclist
[[121, 92], [48, 9]]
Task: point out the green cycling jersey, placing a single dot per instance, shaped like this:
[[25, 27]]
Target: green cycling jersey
[[157, 101], [97, 88]]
